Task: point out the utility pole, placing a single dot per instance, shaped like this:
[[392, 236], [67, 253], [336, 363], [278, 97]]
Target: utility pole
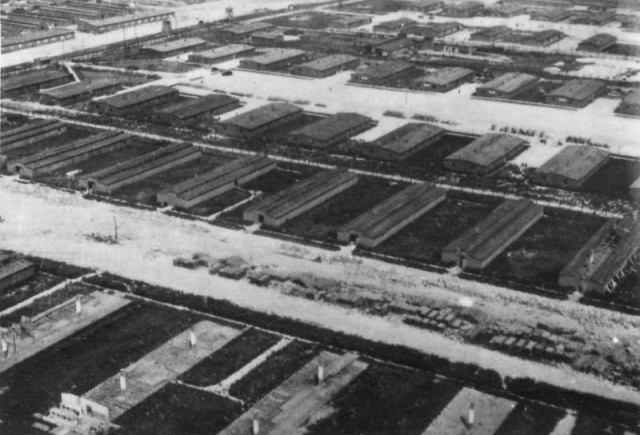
[[115, 228]]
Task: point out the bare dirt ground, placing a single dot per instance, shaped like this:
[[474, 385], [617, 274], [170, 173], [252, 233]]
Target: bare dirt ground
[[55, 224]]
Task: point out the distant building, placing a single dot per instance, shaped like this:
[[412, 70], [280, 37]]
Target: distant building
[[221, 54], [33, 81], [14, 272], [483, 242], [75, 415], [543, 38], [393, 47], [350, 22], [258, 121], [594, 18], [630, 104], [490, 34], [403, 142], [330, 131], [135, 100], [326, 66], [432, 31], [392, 215], [118, 22], [195, 110], [576, 93], [507, 10], [598, 43], [485, 154], [267, 37], [571, 167], [551, 15], [174, 48], [463, 10], [274, 59], [21, 42], [393, 26], [244, 30], [79, 91], [379, 73], [443, 79], [606, 258], [421, 5], [507, 86]]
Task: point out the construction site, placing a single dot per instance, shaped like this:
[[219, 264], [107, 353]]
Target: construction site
[[374, 217]]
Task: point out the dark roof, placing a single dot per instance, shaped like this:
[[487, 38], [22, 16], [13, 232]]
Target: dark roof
[[483, 239], [636, 184], [13, 267], [381, 69], [243, 28], [333, 126], [629, 244], [632, 97], [490, 32], [394, 45], [137, 96], [574, 162], [578, 89], [395, 24], [509, 9], [487, 149], [328, 62], [28, 129], [196, 106], [550, 13], [600, 40], [79, 88], [263, 115], [225, 50], [34, 36], [178, 44], [274, 55], [433, 30], [109, 21], [509, 82], [220, 176], [28, 79], [464, 6], [294, 197], [407, 137], [444, 76], [386, 215], [543, 35]]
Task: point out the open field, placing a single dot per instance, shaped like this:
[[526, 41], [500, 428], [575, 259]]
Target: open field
[[425, 237], [72, 134], [144, 191], [386, 400], [33, 286], [177, 409], [614, 178], [540, 253], [322, 222], [85, 359], [230, 358]]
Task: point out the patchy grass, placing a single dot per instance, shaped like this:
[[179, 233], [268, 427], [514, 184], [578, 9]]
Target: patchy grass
[[272, 372], [323, 221], [614, 178], [539, 255], [387, 400], [230, 358], [177, 409], [33, 286], [531, 418], [83, 360], [424, 239]]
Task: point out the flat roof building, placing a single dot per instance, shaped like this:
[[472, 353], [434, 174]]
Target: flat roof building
[[221, 54], [195, 110], [32, 82], [507, 86], [244, 30], [571, 167], [443, 79], [392, 215], [283, 206], [214, 183], [630, 104], [135, 100], [109, 179], [485, 154], [52, 159], [331, 130], [30, 133], [79, 91], [463, 10], [490, 34], [21, 42], [544, 38], [378, 73], [351, 21], [260, 120], [404, 142], [326, 66], [274, 59], [175, 47], [605, 259], [114, 23], [598, 43], [576, 93], [14, 272], [483, 242]]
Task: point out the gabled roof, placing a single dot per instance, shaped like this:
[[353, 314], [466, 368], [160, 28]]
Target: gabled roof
[[574, 162], [509, 82], [330, 127], [487, 149], [578, 89], [444, 76]]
